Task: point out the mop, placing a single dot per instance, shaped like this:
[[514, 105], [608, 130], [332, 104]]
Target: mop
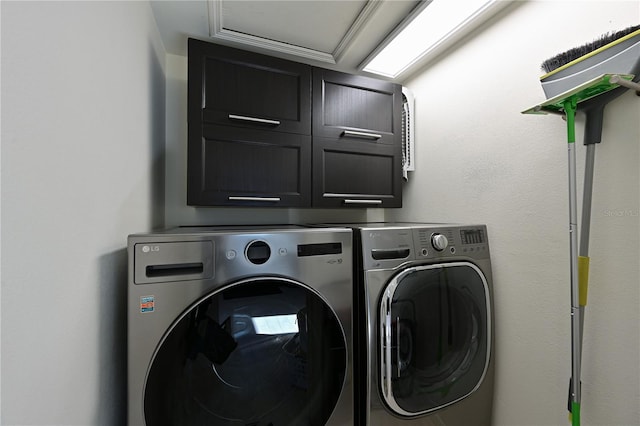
[[586, 79]]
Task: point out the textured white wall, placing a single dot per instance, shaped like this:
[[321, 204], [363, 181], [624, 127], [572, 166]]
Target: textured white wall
[[480, 160], [83, 92]]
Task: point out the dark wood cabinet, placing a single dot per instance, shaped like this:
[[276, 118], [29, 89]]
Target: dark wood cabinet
[[244, 89], [246, 167], [357, 151], [254, 141], [352, 174], [249, 129]]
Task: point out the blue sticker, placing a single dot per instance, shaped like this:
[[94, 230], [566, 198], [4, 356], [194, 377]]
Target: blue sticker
[[147, 304]]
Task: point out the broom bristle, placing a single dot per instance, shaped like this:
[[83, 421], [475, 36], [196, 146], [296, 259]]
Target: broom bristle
[[577, 52]]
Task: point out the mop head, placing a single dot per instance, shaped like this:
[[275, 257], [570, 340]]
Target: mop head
[[613, 53], [581, 93], [590, 70]]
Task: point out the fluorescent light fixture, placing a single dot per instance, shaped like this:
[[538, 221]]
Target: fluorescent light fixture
[[436, 23]]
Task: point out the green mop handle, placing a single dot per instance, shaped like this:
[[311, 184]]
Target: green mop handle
[[570, 110], [591, 92]]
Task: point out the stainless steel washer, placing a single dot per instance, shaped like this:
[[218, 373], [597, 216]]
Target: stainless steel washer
[[240, 326], [426, 325]]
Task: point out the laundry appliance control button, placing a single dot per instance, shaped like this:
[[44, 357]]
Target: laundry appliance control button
[[258, 252], [439, 242]]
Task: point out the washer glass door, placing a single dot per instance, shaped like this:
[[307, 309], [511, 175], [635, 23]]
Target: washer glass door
[[435, 336], [260, 352]]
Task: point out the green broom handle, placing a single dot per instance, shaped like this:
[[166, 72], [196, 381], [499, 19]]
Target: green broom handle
[[594, 110], [570, 110]]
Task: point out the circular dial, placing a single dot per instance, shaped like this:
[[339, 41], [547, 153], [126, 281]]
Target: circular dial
[[439, 242], [258, 252]]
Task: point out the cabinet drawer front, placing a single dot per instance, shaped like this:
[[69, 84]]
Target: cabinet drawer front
[[356, 108], [346, 174], [241, 167], [238, 88]]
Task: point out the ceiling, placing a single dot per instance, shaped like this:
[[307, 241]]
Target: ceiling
[[336, 34]]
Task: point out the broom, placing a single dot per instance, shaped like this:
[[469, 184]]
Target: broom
[[586, 79]]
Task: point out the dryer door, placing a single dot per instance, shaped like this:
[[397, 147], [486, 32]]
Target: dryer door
[[260, 352], [435, 336]]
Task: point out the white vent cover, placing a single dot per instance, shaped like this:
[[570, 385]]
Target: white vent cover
[[408, 139]]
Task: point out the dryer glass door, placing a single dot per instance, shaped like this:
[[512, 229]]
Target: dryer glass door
[[260, 352], [435, 337]]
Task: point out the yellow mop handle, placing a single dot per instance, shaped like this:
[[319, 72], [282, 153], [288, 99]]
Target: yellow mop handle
[[583, 279]]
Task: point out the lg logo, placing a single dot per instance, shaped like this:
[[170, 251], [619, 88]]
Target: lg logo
[[147, 249]]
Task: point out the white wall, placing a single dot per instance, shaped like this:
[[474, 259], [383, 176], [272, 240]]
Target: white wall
[[480, 160], [83, 93]]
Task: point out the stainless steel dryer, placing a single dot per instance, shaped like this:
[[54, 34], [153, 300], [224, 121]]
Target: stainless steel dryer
[[240, 326], [427, 325]]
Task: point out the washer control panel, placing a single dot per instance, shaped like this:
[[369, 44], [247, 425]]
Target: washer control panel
[[223, 254], [435, 242], [390, 245], [470, 241], [473, 242], [439, 241]]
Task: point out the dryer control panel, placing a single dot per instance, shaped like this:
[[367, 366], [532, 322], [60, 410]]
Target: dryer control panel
[[473, 242], [469, 241], [389, 245]]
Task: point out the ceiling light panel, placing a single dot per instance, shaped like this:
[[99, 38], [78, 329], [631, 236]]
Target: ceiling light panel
[[433, 26]]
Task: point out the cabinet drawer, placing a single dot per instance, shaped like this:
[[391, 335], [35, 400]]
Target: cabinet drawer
[[355, 107], [243, 89], [230, 166], [348, 174]]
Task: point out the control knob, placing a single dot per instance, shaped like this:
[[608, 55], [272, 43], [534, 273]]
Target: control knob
[[439, 242]]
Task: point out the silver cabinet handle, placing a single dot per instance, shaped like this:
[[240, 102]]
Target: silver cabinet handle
[[270, 199], [348, 201], [254, 119], [365, 135]]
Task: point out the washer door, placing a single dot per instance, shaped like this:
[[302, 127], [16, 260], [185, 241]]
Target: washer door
[[435, 336], [260, 352]]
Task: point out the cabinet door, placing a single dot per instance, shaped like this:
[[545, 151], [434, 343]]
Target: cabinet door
[[352, 174], [357, 151], [230, 166], [244, 89], [356, 108]]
